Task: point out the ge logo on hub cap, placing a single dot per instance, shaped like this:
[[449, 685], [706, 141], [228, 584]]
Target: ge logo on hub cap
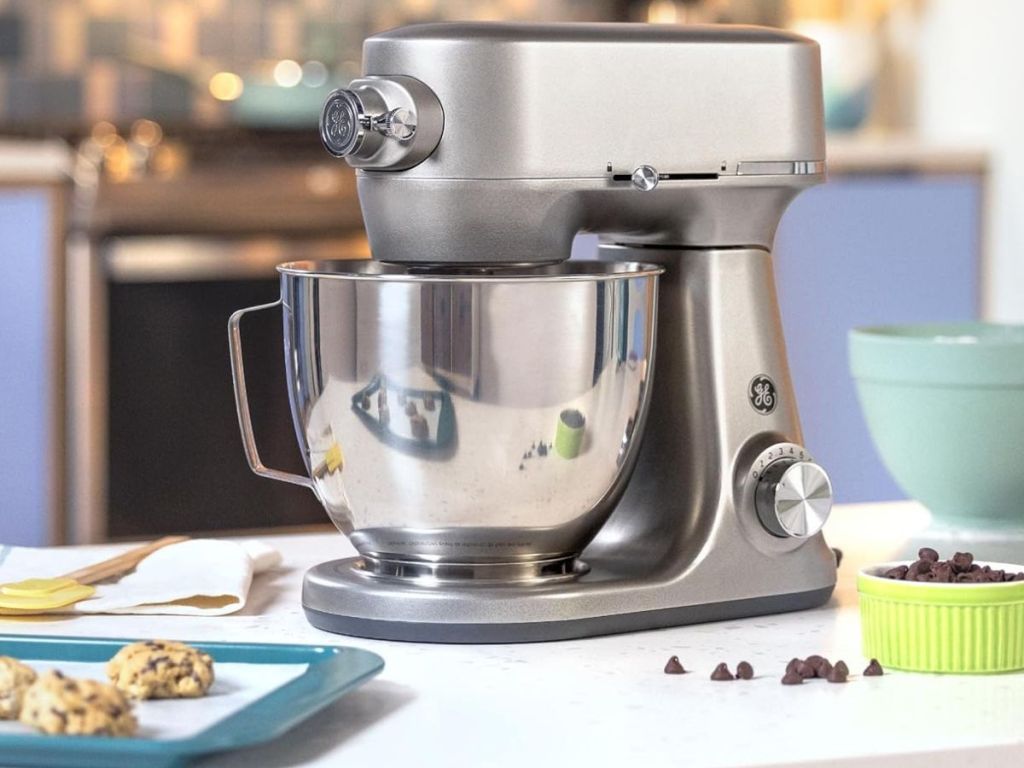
[[762, 394]]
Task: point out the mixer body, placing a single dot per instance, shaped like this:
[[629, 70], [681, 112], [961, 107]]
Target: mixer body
[[483, 149]]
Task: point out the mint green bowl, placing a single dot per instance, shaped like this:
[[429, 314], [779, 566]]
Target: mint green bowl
[[945, 407], [929, 627]]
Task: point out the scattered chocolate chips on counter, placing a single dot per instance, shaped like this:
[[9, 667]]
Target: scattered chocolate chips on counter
[[674, 666], [797, 672], [873, 669], [959, 569], [815, 666], [722, 673]]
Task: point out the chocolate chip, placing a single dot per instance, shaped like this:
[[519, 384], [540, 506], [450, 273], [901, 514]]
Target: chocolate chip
[[943, 572], [927, 553], [792, 678], [962, 561], [542, 450], [818, 664], [722, 673], [873, 669], [805, 670], [673, 667], [899, 572], [838, 673], [793, 664], [744, 671], [841, 667], [522, 466]]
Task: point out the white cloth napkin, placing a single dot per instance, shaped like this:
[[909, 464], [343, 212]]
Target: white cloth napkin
[[198, 577]]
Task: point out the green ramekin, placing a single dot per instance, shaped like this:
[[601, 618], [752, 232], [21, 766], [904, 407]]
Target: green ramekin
[[928, 627]]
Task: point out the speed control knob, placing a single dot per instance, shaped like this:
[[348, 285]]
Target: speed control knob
[[793, 498]]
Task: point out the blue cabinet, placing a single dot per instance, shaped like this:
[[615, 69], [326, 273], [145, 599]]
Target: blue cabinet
[[29, 460], [864, 250]]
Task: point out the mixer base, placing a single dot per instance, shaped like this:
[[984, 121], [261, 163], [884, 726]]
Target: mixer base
[[339, 597]]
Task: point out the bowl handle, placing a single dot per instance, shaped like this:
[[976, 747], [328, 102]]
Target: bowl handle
[[252, 454]]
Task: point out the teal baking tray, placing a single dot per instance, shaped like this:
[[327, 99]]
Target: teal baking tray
[[333, 671]]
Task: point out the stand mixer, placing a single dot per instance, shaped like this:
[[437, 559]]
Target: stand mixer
[[487, 421]]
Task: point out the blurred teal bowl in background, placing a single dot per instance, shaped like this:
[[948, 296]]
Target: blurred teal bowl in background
[[945, 407]]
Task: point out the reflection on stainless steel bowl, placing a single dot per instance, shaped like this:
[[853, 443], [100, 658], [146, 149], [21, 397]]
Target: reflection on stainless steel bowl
[[385, 362]]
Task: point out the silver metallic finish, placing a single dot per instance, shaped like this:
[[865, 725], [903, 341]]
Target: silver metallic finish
[[398, 124], [252, 454], [794, 498], [387, 123], [645, 178], [670, 507], [434, 574], [422, 401], [668, 554], [343, 123], [781, 168], [514, 179]]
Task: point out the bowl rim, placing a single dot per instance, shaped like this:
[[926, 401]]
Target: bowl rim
[[566, 271], [981, 334], [870, 582]]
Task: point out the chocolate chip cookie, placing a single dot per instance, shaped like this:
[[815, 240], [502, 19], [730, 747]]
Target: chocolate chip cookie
[[15, 678], [161, 669], [55, 703]]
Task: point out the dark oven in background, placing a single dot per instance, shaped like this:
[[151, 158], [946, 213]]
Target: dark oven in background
[[155, 268]]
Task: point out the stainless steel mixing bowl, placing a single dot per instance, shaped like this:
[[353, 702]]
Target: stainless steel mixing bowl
[[470, 423]]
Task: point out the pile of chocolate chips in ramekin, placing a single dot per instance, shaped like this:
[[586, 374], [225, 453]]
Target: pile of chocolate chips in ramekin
[[959, 569]]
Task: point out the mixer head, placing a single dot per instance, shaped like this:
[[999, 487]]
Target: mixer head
[[496, 144]]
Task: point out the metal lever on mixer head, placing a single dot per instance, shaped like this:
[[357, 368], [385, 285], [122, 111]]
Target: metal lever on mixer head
[[383, 123]]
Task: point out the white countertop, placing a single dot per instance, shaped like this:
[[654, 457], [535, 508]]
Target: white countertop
[[606, 701]]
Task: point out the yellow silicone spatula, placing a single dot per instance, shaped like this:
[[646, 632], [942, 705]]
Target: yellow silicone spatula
[[38, 595]]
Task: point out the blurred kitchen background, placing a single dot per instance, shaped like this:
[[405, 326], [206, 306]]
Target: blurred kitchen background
[[158, 157]]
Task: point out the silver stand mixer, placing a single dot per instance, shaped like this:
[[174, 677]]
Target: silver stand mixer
[[488, 422]]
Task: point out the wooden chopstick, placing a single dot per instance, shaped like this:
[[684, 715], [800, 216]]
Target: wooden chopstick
[[122, 563]]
